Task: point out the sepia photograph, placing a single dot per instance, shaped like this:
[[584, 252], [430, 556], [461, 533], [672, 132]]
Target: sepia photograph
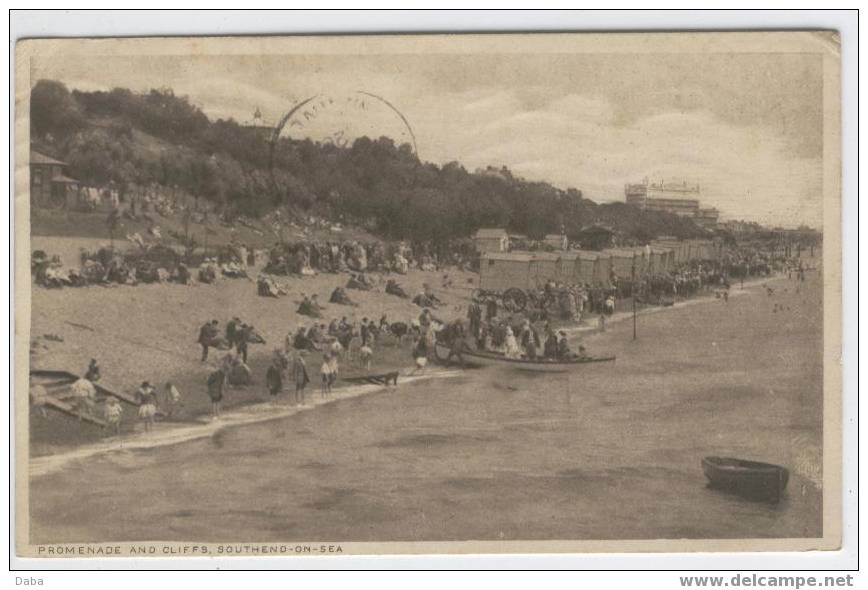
[[428, 294]]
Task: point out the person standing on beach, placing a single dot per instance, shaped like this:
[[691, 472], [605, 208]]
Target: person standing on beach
[[326, 375], [420, 354], [299, 376], [173, 399], [112, 413], [474, 316], [242, 337], [92, 374], [364, 331], [216, 383], [207, 334], [333, 370], [274, 377], [146, 396]]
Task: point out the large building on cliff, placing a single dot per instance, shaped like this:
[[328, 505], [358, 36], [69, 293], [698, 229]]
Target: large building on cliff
[[681, 198]]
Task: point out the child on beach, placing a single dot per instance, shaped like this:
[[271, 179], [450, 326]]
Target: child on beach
[[173, 399], [274, 377], [146, 395], [216, 382], [112, 413], [326, 373], [420, 355], [333, 367], [366, 354]]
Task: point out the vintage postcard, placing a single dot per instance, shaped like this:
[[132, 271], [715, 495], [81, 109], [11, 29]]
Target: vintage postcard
[[502, 293]]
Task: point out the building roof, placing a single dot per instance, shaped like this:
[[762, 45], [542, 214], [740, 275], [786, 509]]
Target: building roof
[[509, 256], [64, 179], [37, 158], [491, 233], [555, 236], [596, 227]]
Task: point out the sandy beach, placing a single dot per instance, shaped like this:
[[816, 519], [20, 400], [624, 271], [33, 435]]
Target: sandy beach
[[611, 442], [149, 332]]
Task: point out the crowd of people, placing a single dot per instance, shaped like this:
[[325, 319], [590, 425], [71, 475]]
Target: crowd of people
[[325, 346], [311, 257]]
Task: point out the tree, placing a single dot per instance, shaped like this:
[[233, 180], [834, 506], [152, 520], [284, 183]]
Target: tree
[[53, 109]]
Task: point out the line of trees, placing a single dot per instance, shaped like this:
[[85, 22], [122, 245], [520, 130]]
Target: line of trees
[[157, 137]]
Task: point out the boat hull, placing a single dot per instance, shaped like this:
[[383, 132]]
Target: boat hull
[[749, 479], [473, 359]]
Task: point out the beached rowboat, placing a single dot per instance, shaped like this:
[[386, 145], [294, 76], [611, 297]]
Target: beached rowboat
[[751, 479], [477, 358]]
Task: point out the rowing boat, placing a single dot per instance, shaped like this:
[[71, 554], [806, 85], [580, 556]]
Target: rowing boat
[[750, 479], [478, 359]]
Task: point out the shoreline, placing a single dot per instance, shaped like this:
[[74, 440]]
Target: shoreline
[[167, 433], [625, 315]]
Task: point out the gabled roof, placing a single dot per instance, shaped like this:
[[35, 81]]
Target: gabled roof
[[490, 233], [37, 158], [597, 227], [509, 256]]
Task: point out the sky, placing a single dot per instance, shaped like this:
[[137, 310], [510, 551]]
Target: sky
[[746, 127]]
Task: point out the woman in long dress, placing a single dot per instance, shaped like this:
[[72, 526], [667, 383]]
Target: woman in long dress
[[513, 350]]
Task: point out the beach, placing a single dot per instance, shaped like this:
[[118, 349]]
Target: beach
[[607, 451], [149, 333]]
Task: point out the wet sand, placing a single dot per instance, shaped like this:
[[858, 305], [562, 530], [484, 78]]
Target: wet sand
[[609, 451]]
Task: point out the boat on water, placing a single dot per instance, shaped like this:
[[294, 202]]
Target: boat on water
[[750, 479], [478, 358], [60, 398]]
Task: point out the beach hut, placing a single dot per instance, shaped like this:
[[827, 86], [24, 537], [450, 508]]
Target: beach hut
[[586, 263], [569, 267], [491, 240], [545, 266], [499, 271], [661, 260], [603, 269], [621, 262]]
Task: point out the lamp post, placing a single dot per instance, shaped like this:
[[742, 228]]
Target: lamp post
[[633, 293]]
